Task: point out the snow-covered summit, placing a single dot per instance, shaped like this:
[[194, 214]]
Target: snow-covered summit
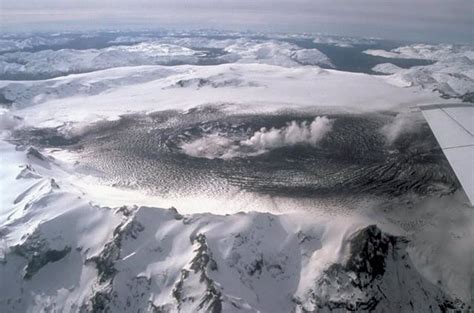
[[275, 53], [451, 74], [247, 87], [156, 51], [426, 51], [47, 63], [16, 44], [73, 241], [60, 252]]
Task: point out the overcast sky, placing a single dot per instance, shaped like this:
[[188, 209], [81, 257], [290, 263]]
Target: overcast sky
[[422, 20]]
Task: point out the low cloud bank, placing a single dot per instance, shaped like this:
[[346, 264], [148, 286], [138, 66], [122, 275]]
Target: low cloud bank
[[217, 146]]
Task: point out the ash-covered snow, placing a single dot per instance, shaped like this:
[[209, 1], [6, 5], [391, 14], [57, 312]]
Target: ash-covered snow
[[215, 146], [71, 241], [62, 253]]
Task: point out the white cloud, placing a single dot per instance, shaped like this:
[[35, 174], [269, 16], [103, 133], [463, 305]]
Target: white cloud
[[8, 123], [294, 133], [217, 146], [403, 123]]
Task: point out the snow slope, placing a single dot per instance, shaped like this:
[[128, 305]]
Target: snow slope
[[425, 52], [62, 249], [244, 87], [248, 50], [274, 53], [59, 252], [452, 74], [164, 51], [14, 44], [47, 63]]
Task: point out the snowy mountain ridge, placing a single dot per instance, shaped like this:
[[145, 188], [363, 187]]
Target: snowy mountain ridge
[[52, 63], [162, 51], [452, 73], [144, 258], [243, 87], [227, 125]]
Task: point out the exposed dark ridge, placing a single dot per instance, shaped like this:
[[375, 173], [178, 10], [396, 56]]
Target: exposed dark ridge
[[37, 252], [201, 264], [377, 263]]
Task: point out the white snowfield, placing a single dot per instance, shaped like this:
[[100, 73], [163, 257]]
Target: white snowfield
[[69, 244], [12, 44], [452, 73], [60, 252], [165, 51], [244, 50], [426, 52], [110, 93], [274, 53], [65, 61]]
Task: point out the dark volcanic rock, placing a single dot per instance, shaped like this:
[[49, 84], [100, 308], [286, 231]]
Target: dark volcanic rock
[[202, 263], [369, 249], [38, 253], [378, 276]]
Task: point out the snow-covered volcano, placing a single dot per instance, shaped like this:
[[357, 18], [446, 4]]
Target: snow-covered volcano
[[61, 252], [226, 173]]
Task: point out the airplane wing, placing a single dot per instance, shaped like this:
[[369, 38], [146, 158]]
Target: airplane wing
[[453, 127]]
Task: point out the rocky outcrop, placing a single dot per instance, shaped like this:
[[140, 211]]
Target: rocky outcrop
[[38, 253], [378, 276], [209, 297]]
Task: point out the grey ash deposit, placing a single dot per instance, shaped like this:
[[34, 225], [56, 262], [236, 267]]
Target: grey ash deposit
[[355, 157]]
